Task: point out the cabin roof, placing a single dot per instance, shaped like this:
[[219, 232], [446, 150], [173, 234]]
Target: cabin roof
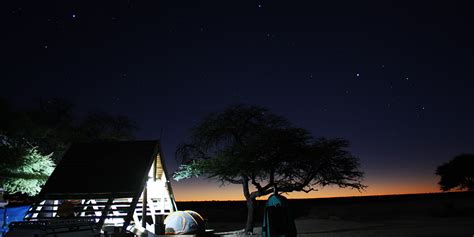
[[102, 169]]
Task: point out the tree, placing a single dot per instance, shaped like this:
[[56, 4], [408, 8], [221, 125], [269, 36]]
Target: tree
[[52, 126], [26, 134], [103, 126], [23, 170], [249, 146], [458, 173]]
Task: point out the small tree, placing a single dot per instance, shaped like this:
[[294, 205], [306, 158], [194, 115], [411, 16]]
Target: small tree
[[24, 170], [250, 146], [53, 126], [458, 173], [27, 134]]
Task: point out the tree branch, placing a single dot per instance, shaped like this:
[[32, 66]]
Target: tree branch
[[245, 186], [308, 190], [233, 181], [256, 184], [256, 194]]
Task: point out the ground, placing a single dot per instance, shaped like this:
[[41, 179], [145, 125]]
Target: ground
[[443, 214], [403, 227]]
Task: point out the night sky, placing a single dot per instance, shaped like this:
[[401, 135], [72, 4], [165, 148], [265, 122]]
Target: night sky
[[395, 78]]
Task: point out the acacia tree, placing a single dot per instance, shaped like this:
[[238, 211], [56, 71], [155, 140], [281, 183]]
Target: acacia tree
[[249, 146], [458, 173]]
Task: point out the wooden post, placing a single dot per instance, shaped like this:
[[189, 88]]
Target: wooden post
[[144, 206], [130, 212], [154, 169], [105, 212]]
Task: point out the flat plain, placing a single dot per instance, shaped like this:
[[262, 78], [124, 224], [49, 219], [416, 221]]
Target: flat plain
[[434, 214]]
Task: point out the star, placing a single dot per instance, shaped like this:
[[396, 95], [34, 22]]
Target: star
[[115, 100], [18, 10], [406, 78], [357, 74], [73, 15], [259, 5]]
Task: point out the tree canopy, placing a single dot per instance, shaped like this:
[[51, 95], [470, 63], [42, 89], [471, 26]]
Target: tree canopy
[[23, 170], [30, 138], [458, 173], [250, 146], [52, 125]]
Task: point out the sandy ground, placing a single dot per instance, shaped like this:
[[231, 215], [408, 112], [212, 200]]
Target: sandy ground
[[437, 214], [406, 227], [401, 227]]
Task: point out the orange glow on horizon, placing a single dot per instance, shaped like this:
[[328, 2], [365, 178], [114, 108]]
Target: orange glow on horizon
[[209, 191]]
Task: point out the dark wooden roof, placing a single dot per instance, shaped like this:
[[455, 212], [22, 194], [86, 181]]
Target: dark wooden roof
[[102, 169]]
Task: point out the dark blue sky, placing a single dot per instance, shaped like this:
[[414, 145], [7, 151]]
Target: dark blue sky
[[395, 78]]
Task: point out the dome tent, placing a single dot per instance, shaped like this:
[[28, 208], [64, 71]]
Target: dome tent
[[184, 222]]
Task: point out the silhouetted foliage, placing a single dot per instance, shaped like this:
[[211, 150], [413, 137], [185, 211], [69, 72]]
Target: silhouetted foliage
[[102, 126], [248, 145], [24, 170], [27, 135], [53, 125], [458, 173]]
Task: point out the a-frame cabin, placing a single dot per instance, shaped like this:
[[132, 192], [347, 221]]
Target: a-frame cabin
[[109, 183]]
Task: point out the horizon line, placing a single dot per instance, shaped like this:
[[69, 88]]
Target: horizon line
[[335, 197]]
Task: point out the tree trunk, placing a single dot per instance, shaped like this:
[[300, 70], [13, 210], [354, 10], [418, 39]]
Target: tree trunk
[[250, 212], [250, 203]]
